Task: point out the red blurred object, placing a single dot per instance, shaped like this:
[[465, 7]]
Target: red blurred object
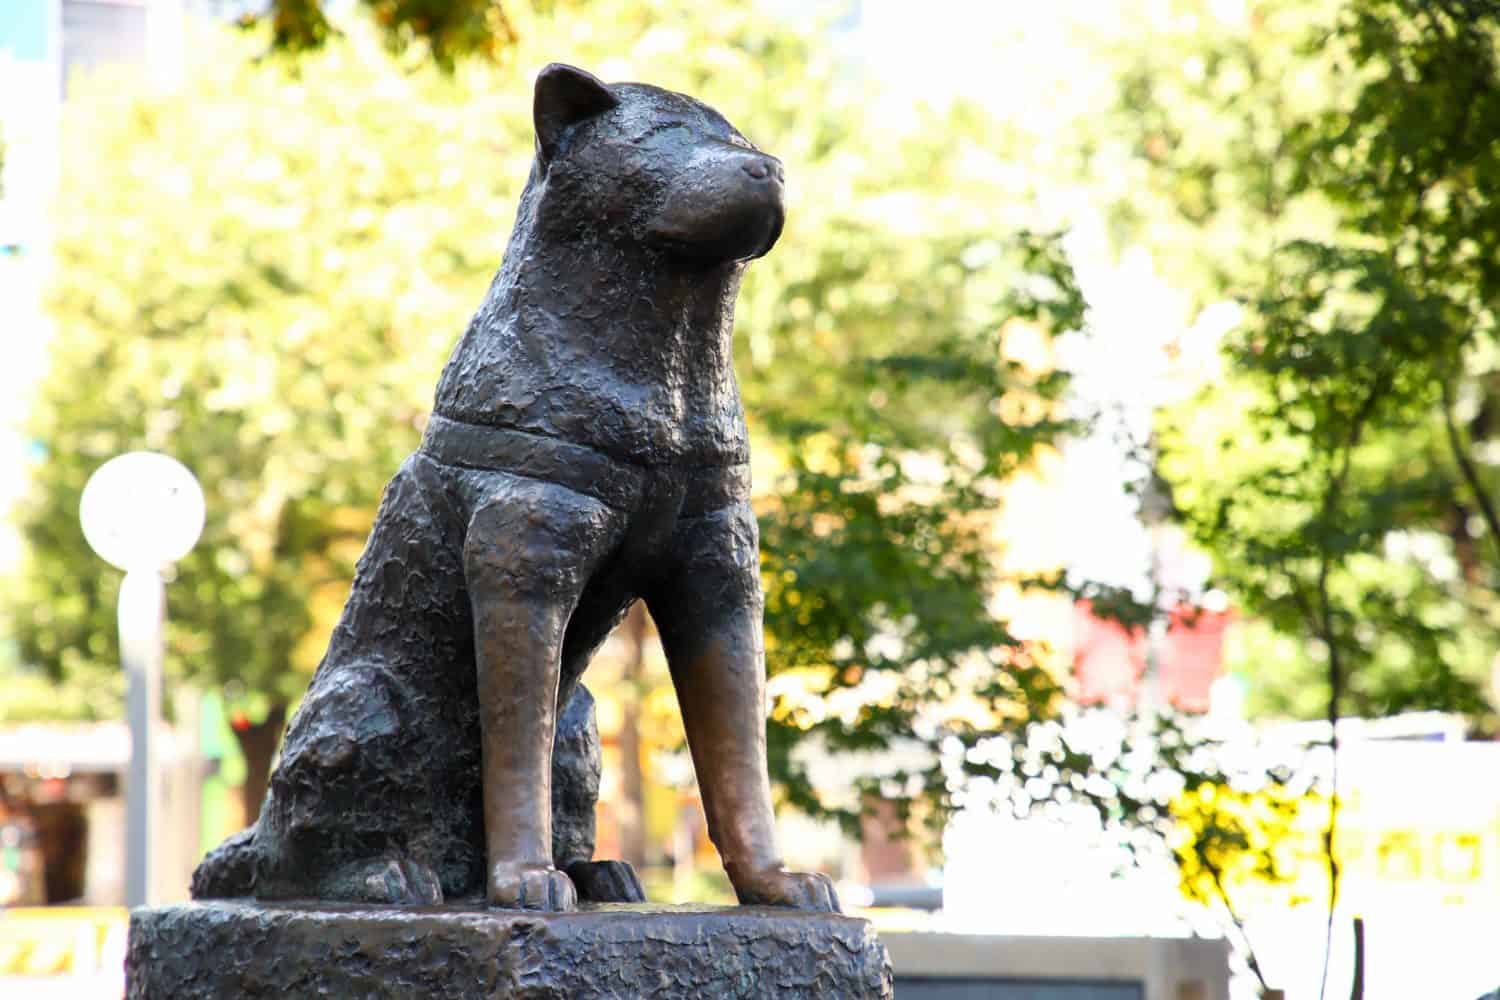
[[1192, 656], [239, 721], [1109, 660], [50, 790]]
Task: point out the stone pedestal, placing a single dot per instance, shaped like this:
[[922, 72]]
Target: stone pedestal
[[240, 948]]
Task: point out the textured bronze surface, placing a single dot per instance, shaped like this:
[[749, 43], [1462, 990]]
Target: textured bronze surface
[[240, 949], [587, 450]]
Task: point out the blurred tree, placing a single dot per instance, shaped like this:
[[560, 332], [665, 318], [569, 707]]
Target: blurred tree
[[263, 276], [1333, 171], [449, 29], [630, 810], [1235, 849]]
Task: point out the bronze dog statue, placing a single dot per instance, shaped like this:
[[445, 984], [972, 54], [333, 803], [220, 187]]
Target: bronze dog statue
[[587, 449]]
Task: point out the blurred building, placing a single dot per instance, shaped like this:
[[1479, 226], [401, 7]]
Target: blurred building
[[64, 782], [44, 45]]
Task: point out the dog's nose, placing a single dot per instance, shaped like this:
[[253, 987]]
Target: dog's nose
[[763, 167]]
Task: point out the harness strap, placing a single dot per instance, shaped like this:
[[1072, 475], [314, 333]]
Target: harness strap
[[585, 470]]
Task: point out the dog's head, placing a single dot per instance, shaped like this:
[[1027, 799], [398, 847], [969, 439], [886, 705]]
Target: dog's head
[[632, 162]]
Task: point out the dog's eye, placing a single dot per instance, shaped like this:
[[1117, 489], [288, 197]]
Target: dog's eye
[[660, 128]]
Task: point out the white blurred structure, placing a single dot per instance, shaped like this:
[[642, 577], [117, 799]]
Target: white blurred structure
[[141, 512]]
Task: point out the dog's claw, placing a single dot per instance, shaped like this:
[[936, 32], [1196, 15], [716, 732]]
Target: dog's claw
[[531, 887]]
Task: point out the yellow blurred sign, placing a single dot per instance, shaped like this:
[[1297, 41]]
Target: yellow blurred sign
[[1418, 825], [62, 940]]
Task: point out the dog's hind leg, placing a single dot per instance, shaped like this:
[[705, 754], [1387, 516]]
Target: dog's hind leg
[[575, 756], [575, 790], [355, 810]]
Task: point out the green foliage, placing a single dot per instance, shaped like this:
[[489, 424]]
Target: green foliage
[[879, 551], [262, 277], [1334, 172], [448, 29]]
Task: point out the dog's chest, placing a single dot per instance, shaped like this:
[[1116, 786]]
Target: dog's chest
[[613, 388]]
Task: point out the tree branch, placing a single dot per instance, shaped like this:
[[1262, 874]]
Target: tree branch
[[1465, 464], [1236, 920], [1336, 673]]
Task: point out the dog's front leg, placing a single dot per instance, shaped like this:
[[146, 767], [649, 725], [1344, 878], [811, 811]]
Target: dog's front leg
[[709, 617], [530, 550]]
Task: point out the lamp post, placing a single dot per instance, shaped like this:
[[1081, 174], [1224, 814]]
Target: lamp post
[[141, 512]]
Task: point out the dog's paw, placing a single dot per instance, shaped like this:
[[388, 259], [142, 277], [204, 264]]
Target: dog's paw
[[530, 887], [777, 887], [402, 883], [606, 882]]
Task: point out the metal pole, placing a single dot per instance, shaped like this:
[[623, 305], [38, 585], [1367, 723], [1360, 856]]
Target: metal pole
[[1357, 990], [142, 610]]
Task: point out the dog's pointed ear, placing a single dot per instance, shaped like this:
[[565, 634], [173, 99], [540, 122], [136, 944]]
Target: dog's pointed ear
[[565, 96]]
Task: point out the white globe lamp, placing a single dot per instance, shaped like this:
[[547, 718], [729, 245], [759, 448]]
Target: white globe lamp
[[141, 512]]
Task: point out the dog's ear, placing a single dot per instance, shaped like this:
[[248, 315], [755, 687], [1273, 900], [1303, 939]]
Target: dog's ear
[[565, 96]]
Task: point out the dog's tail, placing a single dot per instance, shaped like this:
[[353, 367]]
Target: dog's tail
[[227, 871]]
